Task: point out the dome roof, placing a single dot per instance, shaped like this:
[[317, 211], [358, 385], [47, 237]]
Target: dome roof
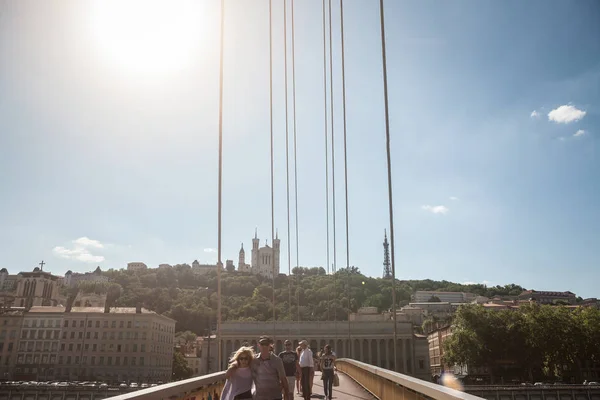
[[69, 272], [3, 270], [36, 269]]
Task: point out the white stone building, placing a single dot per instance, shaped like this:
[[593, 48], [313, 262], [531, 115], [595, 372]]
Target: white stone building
[[72, 278], [136, 266], [264, 261], [27, 289], [424, 296]]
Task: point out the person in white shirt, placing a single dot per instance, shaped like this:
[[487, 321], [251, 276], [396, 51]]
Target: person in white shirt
[[307, 366]]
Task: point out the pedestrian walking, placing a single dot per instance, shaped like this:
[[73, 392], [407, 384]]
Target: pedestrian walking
[[307, 366], [290, 365], [270, 381], [327, 368], [238, 385]]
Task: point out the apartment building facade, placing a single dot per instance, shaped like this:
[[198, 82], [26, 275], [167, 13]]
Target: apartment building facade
[[127, 344], [10, 331]]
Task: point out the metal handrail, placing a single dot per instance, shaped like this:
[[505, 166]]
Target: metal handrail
[[379, 381], [178, 389]]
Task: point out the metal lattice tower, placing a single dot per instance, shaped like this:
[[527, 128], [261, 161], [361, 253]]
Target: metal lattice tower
[[387, 269]]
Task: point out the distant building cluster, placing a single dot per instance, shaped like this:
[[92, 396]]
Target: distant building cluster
[[50, 343], [41, 339]]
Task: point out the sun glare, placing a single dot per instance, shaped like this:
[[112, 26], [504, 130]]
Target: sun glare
[[148, 36]]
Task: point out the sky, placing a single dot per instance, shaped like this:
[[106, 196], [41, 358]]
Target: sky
[[109, 136]]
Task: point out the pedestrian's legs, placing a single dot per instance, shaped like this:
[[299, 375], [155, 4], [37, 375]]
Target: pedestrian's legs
[[306, 383], [298, 383], [328, 383], [331, 385], [325, 385], [291, 380]]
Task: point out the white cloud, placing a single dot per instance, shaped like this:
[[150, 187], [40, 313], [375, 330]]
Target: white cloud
[[580, 132], [534, 114], [209, 250], [565, 114], [87, 242], [80, 250], [435, 209], [454, 198]]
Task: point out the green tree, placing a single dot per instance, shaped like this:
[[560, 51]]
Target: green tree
[[181, 370]]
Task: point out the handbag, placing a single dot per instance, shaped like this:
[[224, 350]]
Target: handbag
[[336, 379]]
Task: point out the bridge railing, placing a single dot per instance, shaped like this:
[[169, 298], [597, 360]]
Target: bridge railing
[[382, 383], [198, 387], [390, 385]]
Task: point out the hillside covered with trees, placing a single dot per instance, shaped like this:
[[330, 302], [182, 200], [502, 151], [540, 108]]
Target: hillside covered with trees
[[191, 298]]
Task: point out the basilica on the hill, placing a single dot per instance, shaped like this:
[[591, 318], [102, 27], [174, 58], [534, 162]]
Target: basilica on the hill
[[264, 261]]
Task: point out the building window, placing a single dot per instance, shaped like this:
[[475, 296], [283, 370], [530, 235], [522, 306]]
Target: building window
[[421, 364], [81, 323], [97, 324], [66, 324], [73, 324]]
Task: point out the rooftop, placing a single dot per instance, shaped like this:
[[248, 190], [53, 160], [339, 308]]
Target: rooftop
[[99, 310]]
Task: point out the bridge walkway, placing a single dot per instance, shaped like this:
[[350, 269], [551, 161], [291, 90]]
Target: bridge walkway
[[348, 389]]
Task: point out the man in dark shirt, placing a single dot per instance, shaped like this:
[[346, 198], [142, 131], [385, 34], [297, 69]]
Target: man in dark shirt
[[290, 364]]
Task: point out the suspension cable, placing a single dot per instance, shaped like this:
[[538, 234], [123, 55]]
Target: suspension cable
[[287, 163], [389, 175], [326, 145], [345, 156], [272, 174], [334, 265], [295, 159], [220, 187]]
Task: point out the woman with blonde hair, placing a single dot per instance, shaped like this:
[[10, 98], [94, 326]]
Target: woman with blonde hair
[[238, 385]]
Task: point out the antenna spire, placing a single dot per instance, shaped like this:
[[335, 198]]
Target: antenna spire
[[387, 270]]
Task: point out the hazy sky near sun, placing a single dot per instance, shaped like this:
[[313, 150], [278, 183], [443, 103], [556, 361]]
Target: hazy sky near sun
[[109, 135]]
